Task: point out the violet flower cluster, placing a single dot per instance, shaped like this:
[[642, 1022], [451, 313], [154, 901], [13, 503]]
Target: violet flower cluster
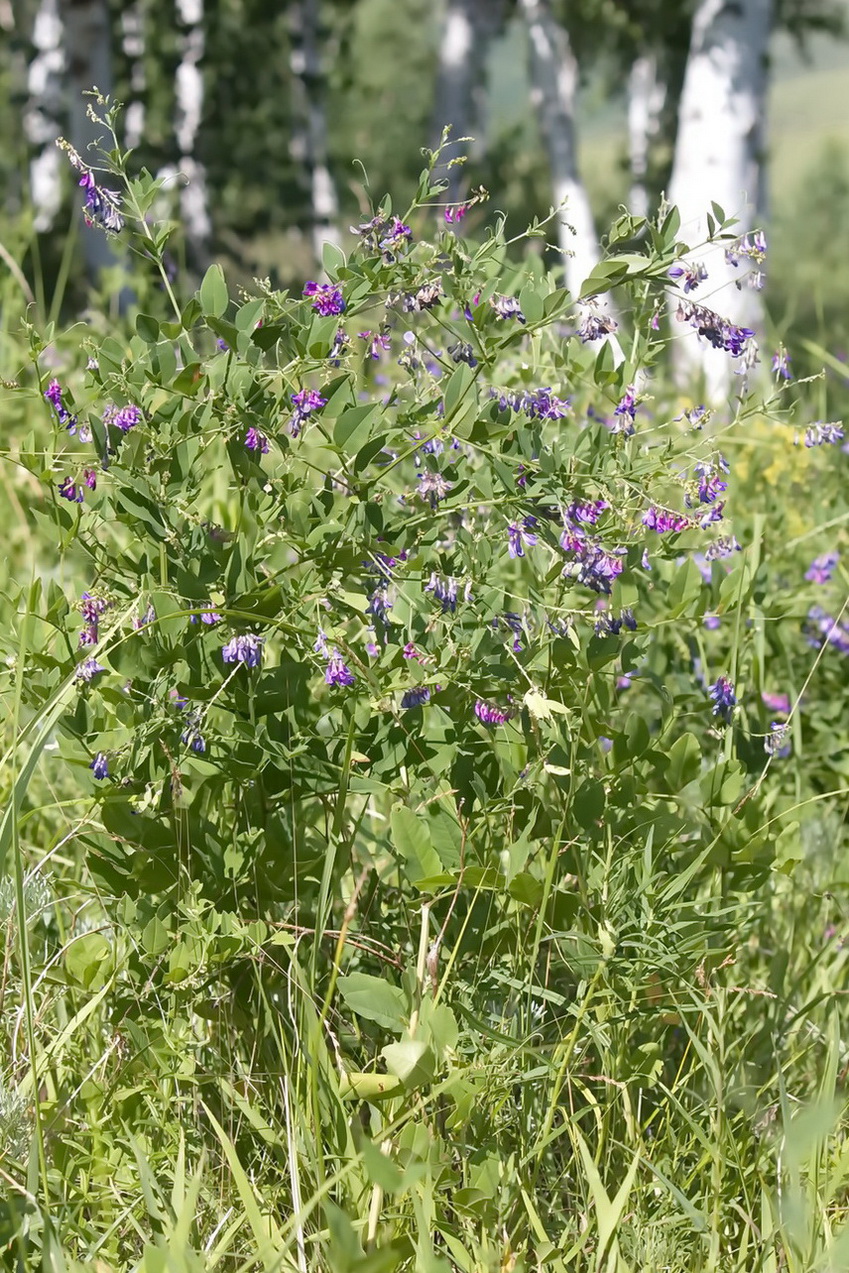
[[724, 698], [245, 648], [327, 300]]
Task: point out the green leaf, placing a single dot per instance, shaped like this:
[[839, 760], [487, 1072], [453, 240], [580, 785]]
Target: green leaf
[[411, 839], [353, 426], [589, 802], [458, 385], [148, 328], [683, 761], [684, 588], [333, 260], [213, 294], [87, 957], [412, 1061], [724, 783], [375, 999]]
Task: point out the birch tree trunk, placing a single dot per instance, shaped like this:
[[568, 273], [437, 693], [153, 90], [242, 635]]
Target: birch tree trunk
[[194, 197], [646, 100], [554, 84], [718, 156], [467, 29], [132, 43], [43, 114], [309, 141], [87, 42]]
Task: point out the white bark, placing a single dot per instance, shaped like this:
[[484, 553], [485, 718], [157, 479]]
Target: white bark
[[718, 157], [42, 117], [194, 197], [309, 141], [554, 84], [132, 42], [466, 30], [87, 41], [646, 99]]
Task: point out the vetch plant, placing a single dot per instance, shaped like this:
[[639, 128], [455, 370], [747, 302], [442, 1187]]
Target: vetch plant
[[419, 701]]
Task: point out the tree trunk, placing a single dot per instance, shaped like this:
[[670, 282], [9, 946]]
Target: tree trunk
[[646, 100], [194, 198], [132, 43], [718, 156], [87, 42], [309, 141], [43, 115], [467, 29], [554, 84]]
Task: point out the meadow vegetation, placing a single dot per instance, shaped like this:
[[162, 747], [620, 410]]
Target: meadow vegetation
[[425, 764]]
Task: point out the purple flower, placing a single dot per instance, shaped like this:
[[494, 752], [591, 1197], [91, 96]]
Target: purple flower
[[428, 295], [70, 491], [191, 735], [586, 514], [752, 246], [338, 672], [397, 236], [781, 363], [820, 433], [53, 394], [445, 592], [88, 670], [434, 487], [627, 408], [660, 520], [245, 648], [194, 740], [778, 703], [692, 275], [776, 741], [378, 341], [542, 404], [455, 214], [462, 351], [101, 206], [710, 482], [718, 331], [379, 604], [610, 625], [327, 299], [594, 326], [722, 547], [144, 619], [256, 441], [521, 536], [123, 418], [711, 515], [100, 766], [712, 622], [305, 402], [491, 715], [416, 697], [599, 569], [91, 608], [696, 417], [821, 568], [508, 307], [337, 349], [830, 630], [724, 698], [209, 617]]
